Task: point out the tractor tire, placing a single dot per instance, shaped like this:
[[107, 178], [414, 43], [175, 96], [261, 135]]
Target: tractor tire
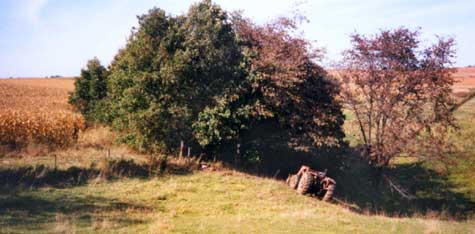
[[306, 183], [293, 181], [329, 193]]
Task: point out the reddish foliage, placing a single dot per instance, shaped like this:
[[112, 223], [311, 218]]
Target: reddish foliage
[[399, 93], [291, 84]]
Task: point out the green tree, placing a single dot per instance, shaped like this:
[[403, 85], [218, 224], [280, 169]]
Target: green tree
[[170, 70], [90, 88]]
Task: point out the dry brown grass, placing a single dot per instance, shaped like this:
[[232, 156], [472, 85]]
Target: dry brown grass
[[465, 79], [35, 94], [66, 83]]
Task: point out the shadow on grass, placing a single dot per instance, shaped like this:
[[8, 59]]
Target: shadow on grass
[[435, 195], [33, 210], [23, 206], [40, 175]]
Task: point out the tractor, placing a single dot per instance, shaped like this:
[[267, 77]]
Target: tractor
[[312, 182]]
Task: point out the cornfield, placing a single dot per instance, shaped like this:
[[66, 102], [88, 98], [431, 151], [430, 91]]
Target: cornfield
[[37, 111]]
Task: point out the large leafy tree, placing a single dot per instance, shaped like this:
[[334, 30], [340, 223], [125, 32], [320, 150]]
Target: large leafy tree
[[171, 68]]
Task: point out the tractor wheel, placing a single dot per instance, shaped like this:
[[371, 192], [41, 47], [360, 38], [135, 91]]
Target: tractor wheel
[[329, 193], [293, 181], [306, 183]]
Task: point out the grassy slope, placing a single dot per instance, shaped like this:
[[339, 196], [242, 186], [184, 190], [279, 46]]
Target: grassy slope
[[203, 202], [463, 175]]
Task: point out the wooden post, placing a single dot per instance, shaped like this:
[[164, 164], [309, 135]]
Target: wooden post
[[182, 145], [238, 153], [55, 162]]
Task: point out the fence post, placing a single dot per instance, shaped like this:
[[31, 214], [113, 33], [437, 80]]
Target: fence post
[[182, 145], [238, 153], [189, 152], [55, 162]]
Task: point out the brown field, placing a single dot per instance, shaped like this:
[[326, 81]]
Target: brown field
[[465, 79], [37, 111], [35, 94], [66, 84]]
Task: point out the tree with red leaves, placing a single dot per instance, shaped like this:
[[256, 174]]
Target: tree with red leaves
[[400, 94], [284, 88]]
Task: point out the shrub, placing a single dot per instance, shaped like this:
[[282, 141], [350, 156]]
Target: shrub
[[90, 89]]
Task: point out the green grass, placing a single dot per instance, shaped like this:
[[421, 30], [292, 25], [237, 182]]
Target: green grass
[[463, 173], [202, 202], [460, 177]]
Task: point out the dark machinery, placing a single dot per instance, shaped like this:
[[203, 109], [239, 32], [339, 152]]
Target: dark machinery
[[312, 182]]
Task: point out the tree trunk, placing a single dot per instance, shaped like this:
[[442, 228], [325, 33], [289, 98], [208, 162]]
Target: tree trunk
[[377, 173]]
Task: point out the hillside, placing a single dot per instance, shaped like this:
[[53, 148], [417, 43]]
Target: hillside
[[201, 202]]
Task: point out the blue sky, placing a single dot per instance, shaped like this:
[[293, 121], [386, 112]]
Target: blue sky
[[49, 37]]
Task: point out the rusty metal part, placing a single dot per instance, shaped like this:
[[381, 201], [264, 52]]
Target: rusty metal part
[[309, 181]]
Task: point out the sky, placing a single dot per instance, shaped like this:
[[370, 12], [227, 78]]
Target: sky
[[56, 37]]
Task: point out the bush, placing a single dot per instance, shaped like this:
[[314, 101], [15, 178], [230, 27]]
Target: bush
[[90, 89]]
